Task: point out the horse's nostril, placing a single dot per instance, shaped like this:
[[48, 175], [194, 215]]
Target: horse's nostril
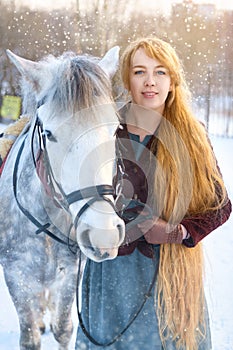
[[119, 227], [85, 239], [121, 232]]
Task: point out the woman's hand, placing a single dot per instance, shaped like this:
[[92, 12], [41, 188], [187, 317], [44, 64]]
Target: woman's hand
[[158, 231]]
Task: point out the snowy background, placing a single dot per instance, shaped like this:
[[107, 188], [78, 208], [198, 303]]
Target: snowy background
[[202, 31], [219, 276]]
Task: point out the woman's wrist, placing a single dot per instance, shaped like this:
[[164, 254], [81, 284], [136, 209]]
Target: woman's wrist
[[176, 235], [186, 235]]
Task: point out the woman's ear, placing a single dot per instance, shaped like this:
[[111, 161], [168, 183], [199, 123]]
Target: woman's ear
[[127, 87], [171, 87]]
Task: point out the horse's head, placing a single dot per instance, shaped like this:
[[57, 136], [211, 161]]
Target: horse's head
[[75, 123]]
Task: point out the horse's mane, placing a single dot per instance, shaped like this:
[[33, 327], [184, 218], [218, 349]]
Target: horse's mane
[[71, 83]]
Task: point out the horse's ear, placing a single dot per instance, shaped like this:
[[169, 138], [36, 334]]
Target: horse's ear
[[30, 70], [110, 62]]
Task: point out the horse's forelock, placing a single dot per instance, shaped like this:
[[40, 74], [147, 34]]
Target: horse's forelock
[[81, 84], [77, 82]]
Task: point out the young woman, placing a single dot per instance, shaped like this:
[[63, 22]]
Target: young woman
[[170, 192]]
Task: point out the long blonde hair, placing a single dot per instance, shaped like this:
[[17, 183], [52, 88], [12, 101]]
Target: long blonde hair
[[190, 171]]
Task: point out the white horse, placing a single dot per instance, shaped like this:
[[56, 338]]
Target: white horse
[[56, 189]]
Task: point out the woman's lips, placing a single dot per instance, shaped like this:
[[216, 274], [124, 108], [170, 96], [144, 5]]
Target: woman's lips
[[149, 94]]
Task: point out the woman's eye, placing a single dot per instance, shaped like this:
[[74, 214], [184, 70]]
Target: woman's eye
[[138, 72], [161, 72], [50, 136]]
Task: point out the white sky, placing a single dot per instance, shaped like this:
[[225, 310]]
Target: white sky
[[162, 4]]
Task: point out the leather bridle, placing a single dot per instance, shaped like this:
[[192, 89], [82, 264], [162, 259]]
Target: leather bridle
[[61, 199]]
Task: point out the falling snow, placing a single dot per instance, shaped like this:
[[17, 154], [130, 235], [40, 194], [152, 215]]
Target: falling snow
[[202, 36]]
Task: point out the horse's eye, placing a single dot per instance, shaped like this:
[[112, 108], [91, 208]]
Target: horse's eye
[[50, 136]]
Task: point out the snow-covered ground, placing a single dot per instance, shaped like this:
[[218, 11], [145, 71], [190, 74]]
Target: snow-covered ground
[[219, 276], [219, 263]]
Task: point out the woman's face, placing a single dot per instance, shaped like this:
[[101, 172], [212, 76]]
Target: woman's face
[[149, 82]]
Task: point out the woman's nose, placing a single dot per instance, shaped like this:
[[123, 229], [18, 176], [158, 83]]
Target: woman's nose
[[150, 80]]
